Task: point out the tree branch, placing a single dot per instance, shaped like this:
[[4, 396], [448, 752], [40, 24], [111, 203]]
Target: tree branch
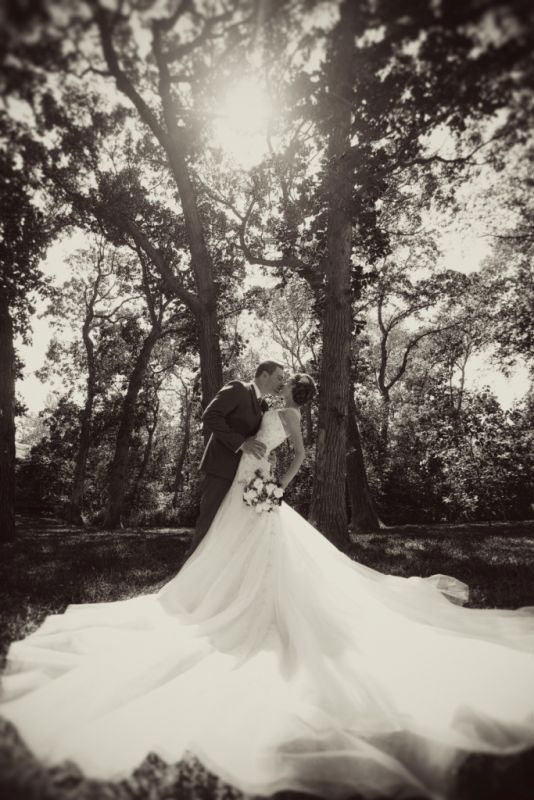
[[180, 50], [409, 347], [167, 23], [289, 260], [110, 317], [170, 280], [459, 160], [105, 21]]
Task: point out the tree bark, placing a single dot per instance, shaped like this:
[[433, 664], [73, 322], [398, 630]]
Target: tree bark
[[201, 262], [308, 425], [84, 443], [151, 430], [7, 422], [364, 518], [383, 388], [384, 428], [328, 512], [186, 437], [118, 476], [209, 354]]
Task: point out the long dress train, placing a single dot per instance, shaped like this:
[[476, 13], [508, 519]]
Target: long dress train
[[282, 664]]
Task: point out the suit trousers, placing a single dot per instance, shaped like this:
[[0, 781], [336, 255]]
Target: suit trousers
[[213, 491]]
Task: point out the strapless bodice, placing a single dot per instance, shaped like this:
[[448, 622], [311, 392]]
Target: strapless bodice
[[272, 432]]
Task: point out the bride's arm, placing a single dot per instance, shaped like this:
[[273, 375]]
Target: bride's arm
[[291, 421]]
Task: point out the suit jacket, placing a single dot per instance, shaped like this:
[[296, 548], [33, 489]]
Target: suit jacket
[[232, 416]]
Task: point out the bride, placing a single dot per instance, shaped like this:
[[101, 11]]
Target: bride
[[280, 662]]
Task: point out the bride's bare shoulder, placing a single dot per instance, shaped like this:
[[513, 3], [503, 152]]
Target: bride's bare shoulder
[[289, 411], [290, 418]]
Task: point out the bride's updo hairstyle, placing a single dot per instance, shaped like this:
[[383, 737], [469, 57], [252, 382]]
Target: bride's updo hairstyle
[[303, 389]]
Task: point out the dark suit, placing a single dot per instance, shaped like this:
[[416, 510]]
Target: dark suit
[[233, 415]]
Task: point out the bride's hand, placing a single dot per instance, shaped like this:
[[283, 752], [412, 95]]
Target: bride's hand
[[253, 447]]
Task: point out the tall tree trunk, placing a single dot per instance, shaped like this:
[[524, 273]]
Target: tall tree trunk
[[364, 518], [384, 428], [84, 443], [210, 355], [7, 422], [147, 452], [201, 261], [328, 511], [186, 437], [118, 476]]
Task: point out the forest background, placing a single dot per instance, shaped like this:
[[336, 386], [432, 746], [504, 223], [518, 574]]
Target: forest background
[[241, 179]]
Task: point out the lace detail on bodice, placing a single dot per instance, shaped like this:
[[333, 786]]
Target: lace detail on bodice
[[272, 433]]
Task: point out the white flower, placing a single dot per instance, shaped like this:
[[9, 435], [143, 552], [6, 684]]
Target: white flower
[[258, 483], [269, 488], [278, 492]]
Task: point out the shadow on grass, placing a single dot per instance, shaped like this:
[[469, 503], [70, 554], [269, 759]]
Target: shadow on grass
[[499, 569], [47, 568]]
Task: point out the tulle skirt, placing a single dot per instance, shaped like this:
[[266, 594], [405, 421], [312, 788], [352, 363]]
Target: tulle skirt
[[282, 664]]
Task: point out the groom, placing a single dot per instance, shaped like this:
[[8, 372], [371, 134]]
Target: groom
[[232, 418]]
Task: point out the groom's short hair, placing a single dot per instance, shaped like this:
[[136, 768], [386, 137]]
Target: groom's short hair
[[268, 367]]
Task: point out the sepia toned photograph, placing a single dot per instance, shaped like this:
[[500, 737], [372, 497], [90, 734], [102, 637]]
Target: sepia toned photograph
[[266, 400]]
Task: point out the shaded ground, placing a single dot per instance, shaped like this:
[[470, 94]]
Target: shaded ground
[[51, 564]]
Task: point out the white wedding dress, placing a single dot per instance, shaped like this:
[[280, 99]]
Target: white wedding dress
[[280, 663]]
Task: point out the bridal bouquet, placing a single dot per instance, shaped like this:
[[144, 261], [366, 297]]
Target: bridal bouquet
[[262, 493]]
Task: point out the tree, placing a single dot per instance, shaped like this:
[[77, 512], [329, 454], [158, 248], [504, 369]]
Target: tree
[[408, 71], [187, 401], [364, 101], [508, 270], [164, 318], [166, 91], [169, 54], [429, 306], [287, 314], [326, 511], [364, 515], [44, 475], [87, 311], [152, 419], [26, 233]]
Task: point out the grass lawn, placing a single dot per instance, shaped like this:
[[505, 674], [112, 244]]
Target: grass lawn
[[51, 565]]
